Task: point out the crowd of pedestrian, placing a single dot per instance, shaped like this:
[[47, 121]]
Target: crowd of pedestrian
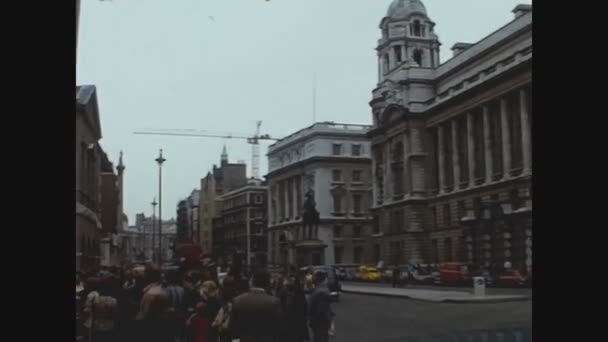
[[196, 306]]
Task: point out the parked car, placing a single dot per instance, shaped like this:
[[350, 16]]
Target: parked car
[[369, 273], [421, 274], [455, 273], [512, 278]]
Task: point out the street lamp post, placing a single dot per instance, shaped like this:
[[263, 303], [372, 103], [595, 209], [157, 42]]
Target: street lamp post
[[160, 160], [152, 248]]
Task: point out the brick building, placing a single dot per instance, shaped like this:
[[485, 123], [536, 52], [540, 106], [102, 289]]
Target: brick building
[[451, 143]]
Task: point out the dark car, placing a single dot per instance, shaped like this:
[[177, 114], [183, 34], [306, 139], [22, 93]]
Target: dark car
[[333, 283]]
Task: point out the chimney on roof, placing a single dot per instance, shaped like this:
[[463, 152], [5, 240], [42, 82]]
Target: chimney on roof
[[521, 9], [459, 48]]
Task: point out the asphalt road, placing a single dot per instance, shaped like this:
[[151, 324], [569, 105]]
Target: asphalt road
[[489, 290], [380, 319]]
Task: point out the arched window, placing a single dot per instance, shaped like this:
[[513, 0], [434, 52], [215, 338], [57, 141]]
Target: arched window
[[417, 55], [417, 28]]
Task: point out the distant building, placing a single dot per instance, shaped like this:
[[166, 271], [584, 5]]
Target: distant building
[[333, 161], [222, 179], [240, 228], [452, 143], [193, 212], [139, 240]]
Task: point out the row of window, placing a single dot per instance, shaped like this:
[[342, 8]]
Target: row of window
[[355, 149], [357, 201], [336, 175], [238, 201], [339, 230]]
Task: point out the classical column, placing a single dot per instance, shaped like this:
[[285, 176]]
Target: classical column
[[440, 158], [403, 53], [471, 149], [506, 139], [455, 157], [286, 196], [295, 197], [487, 142], [526, 141], [380, 69]]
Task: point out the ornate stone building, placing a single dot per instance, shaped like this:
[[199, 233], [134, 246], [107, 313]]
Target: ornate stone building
[[333, 161], [451, 142]]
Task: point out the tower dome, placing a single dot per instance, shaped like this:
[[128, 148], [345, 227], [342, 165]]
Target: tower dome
[[402, 9]]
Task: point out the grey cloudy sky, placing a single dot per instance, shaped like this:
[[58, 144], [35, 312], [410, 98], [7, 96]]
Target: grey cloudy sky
[[220, 65]]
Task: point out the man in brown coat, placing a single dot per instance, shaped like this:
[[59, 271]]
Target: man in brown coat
[[154, 309], [256, 315]]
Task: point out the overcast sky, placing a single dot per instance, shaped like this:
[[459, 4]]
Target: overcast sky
[[220, 65]]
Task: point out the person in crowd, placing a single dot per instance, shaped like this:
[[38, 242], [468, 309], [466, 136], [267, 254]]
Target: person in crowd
[[101, 309], [320, 314], [177, 305], [198, 325], [396, 278], [256, 315], [222, 320], [309, 281], [294, 308], [154, 309], [210, 295]]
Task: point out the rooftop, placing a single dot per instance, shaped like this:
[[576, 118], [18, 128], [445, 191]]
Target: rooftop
[[326, 128]]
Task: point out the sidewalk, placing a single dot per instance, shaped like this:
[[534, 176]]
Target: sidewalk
[[436, 296]]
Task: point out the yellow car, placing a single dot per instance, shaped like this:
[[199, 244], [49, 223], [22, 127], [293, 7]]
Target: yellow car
[[369, 273]]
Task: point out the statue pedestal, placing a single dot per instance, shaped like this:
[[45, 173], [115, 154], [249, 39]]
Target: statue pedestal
[[310, 252]]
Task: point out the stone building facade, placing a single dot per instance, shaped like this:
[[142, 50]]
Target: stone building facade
[[451, 143], [240, 228], [333, 161]]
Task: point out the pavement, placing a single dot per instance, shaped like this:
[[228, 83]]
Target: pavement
[[362, 318], [432, 295]]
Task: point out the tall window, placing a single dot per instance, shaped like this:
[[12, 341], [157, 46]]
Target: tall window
[[356, 150], [398, 56], [337, 231], [496, 138], [357, 203], [357, 175], [447, 215], [358, 254], [377, 253], [337, 203], [463, 148], [448, 249], [418, 56], [337, 149], [480, 170], [376, 223], [338, 251], [417, 28], [357, 231], [513, 113], [397, 166], [336, 175], [447, 157], [435, 251]]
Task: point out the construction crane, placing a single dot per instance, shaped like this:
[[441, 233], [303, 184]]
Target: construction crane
[[253, 140]]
